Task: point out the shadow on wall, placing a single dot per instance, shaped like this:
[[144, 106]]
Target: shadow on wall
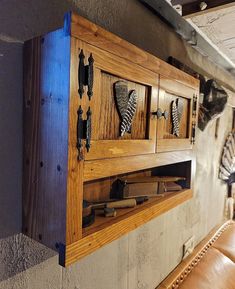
[[19, 253], [10, 138]]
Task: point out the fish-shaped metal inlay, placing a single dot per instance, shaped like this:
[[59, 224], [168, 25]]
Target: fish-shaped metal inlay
[[177, 107], [126, 104]]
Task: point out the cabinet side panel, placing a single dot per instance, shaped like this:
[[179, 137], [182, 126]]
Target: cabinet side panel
[[75, 166], [46, 98]]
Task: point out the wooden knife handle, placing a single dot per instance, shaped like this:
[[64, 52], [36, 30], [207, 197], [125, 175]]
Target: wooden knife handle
[[130, 203]]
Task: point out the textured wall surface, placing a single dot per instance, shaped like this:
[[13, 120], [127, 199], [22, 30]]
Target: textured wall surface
[[10, 137], [219, 27], [141, 259]]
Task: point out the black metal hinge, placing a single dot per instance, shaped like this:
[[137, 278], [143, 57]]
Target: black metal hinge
[[83, 131], [193, 133], [85, 75], [194, 105]]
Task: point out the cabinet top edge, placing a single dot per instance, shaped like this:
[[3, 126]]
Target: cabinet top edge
[[79, 27]]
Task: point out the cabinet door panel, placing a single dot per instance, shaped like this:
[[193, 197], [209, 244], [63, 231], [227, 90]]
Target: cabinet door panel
[[106, 141], [106, 118], [170, 91]]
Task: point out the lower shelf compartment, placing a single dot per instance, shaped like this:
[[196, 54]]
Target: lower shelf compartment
[[104, 231]]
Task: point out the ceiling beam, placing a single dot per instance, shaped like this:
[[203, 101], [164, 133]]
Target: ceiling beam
[[204, 6], [191, 35]]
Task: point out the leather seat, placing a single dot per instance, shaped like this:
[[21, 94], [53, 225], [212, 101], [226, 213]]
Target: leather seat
[[215, 271], [226, 243], [211, 265]]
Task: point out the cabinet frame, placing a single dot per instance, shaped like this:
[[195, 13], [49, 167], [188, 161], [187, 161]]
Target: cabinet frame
[[174, 87], [108, 62], [53, 176]]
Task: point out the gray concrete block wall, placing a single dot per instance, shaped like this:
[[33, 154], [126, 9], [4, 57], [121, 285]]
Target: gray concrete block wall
[[141, 259]]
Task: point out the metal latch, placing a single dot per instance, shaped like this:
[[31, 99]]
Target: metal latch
[[83, 131], [159, 113]]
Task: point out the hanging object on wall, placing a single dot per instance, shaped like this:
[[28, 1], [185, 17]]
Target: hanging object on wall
[[215, 99], [176, 112], [126, 104], [227, 167], [227, 170]]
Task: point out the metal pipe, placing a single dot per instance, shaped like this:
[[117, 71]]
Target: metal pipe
[[190, 33]]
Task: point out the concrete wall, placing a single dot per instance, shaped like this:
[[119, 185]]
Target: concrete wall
[[10, 137], [141, 259]]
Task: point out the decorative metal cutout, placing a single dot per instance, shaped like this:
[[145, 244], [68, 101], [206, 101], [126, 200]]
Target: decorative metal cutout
[[126, 104], [176, 112], [85, 75], [83, 131]]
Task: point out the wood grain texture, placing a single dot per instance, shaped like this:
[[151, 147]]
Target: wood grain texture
[[170, 90], [75, 167], [174, 86], [106, 141], [98, 169], [183, 169], [165, 103], [107, 114], [97, 36], [46, 94], [128, 223], [55, 181]]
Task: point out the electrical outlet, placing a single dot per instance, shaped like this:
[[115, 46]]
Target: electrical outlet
[[188, 247]]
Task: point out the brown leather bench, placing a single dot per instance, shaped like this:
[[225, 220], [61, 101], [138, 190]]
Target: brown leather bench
[[211, 265]]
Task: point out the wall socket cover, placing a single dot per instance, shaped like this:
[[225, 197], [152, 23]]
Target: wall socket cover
[[188, 247]]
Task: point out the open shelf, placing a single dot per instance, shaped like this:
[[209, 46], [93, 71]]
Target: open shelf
[[101, 233], [104, 189], [105, 230], [154, 204]]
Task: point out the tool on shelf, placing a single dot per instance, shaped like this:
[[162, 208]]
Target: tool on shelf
[[110, 212], [150, 186], [88, 213]]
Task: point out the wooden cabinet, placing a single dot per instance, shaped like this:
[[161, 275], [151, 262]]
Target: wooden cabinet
[[73, 150], [170, 92], [106, 141]]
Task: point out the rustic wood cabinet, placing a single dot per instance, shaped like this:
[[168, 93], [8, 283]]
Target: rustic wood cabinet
[[106, 141], [73, 149], [169, 91]]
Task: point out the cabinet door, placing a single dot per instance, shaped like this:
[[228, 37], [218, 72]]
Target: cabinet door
[[177, 103], [106, 139]]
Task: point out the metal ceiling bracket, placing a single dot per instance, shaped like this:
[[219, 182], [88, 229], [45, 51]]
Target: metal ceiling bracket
[[189, 33]]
